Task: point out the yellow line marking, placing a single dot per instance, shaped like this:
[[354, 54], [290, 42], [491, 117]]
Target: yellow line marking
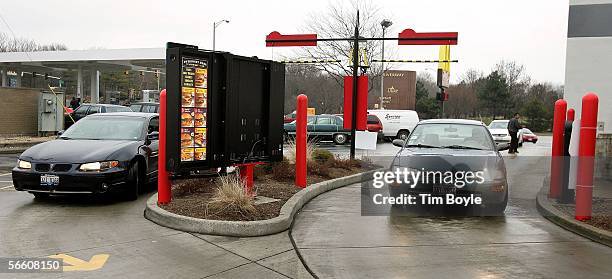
[[76, 264]]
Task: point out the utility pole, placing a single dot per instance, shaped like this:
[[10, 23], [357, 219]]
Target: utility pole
[[385, 24]]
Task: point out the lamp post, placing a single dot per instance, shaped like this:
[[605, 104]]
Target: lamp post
[[215, 30], [385, 24]]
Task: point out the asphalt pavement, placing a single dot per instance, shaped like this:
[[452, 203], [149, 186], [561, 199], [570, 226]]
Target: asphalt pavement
[[335, 241]]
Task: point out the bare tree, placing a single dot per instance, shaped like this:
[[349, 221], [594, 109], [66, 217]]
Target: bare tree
[[339, 22], [8, 44]]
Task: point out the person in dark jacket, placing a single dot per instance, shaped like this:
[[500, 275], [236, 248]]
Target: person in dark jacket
[[74, 103], [513, 127]]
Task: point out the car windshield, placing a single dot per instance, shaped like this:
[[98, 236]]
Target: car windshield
[[498, 125], [106, 128], [454, 136]]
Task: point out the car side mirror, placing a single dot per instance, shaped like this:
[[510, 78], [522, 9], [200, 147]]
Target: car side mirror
[[399, 142], [153, 136], [502, 146], [60, 132]]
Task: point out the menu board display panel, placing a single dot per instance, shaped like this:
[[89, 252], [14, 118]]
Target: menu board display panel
[[194, 94]]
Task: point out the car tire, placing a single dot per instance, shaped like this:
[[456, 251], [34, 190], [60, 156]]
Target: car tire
[[134, 182], [403, 134], [498, 209], [340, 139], [40, 195]]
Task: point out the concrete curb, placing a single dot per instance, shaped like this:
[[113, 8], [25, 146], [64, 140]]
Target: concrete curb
[[250, 228], [553, 214], [13, 150]]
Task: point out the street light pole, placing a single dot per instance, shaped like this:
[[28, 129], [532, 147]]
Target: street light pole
[[385, 23], [215, 30]]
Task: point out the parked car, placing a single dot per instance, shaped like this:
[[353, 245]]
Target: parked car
[[324, 127], [88, 109], [150, 107], [499, 131], [529, 136], [289, 117], [450, 145], [101, 153], [396, 124], [374, 125]]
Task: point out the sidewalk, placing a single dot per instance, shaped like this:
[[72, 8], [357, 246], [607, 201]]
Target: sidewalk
[[599, 228]]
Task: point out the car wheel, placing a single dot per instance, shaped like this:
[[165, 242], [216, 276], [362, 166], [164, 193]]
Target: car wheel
[[133, 188], [340, 139], [40, 195], [403, 135]]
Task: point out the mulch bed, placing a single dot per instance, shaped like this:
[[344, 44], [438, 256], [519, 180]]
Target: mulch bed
[[601, 216], [190, 197]]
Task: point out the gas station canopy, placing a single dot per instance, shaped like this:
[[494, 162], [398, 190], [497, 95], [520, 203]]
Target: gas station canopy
[[92, 61]]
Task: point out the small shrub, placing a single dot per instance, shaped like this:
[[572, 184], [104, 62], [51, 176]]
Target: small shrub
[[346, 164], [231, 195], [319, 168], [322, 155], [311, 145], [283, 171]]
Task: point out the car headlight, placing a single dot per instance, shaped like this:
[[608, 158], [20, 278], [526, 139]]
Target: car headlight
[[24, 164], [98, 166]]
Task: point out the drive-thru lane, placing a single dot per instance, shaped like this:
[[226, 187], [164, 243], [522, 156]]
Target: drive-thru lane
[[337, 242]]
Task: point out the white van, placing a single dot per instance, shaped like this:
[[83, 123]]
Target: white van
[[396, 123]]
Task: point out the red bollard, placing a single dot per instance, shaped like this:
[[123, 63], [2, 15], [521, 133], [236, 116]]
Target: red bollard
[[586, 157], [246, 172], [556, 163], [163, 179], [571, 114], [300, 140]]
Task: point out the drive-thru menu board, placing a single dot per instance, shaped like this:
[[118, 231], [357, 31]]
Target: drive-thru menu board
[[194, 80]]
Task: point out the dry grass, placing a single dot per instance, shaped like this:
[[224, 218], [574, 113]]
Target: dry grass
[[311, 145], [231, 196]]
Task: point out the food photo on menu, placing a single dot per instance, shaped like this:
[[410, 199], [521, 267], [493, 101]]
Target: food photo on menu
[[187, 97], [200, 117], [200, 98], [186, 137], [200, 77], [200, 137], [200, 154], [187, 117], [187, 154]]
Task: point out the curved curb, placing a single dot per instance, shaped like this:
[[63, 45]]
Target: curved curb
[[549, 212], [249, 228]]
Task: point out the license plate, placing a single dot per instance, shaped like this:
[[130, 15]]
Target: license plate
[[443, 190], [49, 180]]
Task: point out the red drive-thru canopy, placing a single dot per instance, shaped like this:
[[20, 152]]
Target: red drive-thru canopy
[[276, 39], [410, 37]]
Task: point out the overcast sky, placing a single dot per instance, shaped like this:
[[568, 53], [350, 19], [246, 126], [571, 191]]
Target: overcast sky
[[530, 32]]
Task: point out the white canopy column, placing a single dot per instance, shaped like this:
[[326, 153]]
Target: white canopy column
[[95, 86], [4, 78], [79, 83]]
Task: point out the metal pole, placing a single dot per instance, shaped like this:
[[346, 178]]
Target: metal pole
[[214, 34], [382, 74], [355, 76]]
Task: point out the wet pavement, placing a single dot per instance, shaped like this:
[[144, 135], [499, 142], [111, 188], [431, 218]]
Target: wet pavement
[[337, 242], [332, 237]]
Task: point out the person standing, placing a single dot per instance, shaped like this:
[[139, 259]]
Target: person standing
[[513, 127], [73, 103]]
